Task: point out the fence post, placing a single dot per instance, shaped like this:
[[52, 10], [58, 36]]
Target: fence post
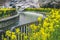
[[1, 33]]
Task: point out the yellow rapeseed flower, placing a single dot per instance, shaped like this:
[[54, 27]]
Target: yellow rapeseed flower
[[45, 24], [8, 33], [44, 36], [34, 35], [42, 30], [33, 27], [13, 37], [17, 30], [13, 33], [25, 37], [51, 27], [46, 19], [39, 18], [5, 38]]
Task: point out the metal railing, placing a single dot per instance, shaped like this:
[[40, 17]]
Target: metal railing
[[24, 29]]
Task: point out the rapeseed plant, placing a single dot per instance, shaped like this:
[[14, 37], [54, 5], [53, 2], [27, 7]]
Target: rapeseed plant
[[45, 29]]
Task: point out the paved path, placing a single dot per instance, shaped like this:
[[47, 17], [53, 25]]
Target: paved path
[[28, 17]]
